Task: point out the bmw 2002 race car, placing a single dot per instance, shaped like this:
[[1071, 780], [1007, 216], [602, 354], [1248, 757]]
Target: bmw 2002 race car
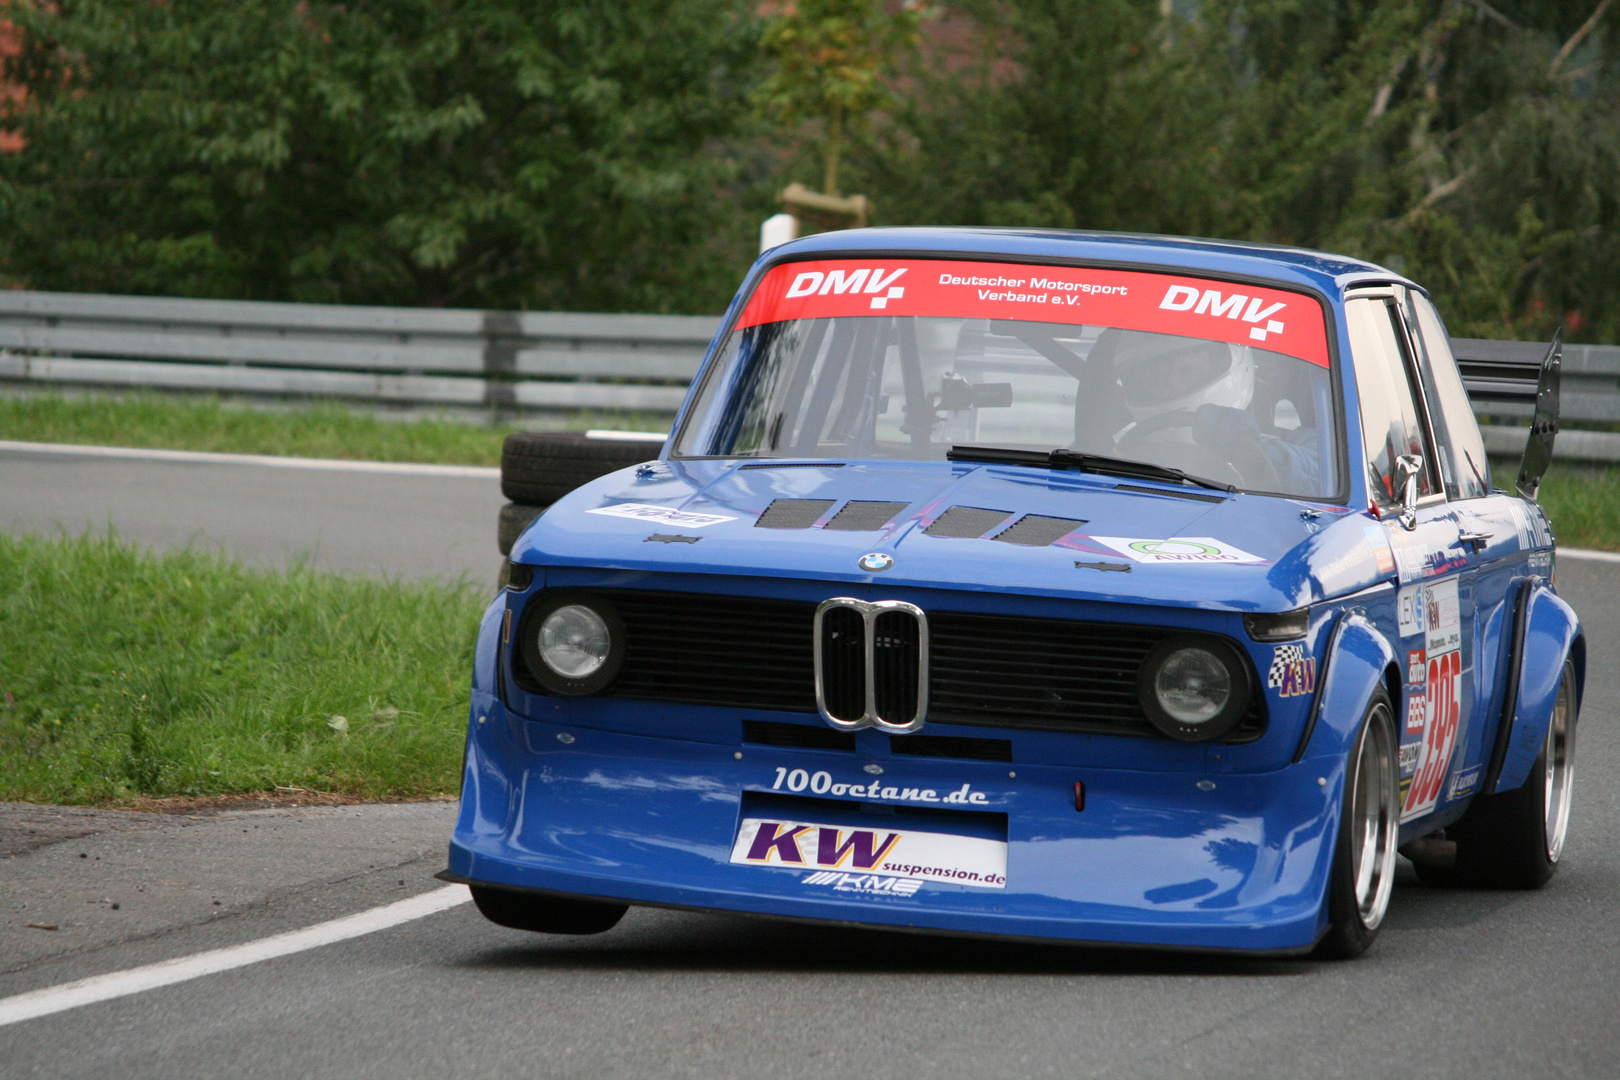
[[1088, 587]]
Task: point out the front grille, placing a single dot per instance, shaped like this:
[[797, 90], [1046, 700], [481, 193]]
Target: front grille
[[984, 670], [896, 636], [873, 667], [711, 650], [843, 663], [1052, 674]]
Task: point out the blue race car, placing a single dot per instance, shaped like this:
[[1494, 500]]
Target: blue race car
[[1050, 585]]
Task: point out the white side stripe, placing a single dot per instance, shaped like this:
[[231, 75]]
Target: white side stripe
[[54, 999], [131, 453]]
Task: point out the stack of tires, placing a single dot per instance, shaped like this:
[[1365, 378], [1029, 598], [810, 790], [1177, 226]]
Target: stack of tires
[[540, 467]]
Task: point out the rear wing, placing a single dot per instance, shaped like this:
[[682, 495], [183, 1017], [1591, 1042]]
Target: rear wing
[[1519, 371]]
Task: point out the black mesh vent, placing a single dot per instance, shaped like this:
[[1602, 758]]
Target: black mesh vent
[[1193, 495], [966, 522], [796, 465], [896, 640], [865, 516], [843, 663], [793, 513], [1033, 530], [951, 746], [802, 736], [711, 650], [1012, 671]]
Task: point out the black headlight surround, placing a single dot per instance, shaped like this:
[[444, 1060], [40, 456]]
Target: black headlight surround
[[1231, 714], [529, 643]]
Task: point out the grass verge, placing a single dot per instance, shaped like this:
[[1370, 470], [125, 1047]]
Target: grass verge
[[125, 674], [325, 430], [1582, 501]]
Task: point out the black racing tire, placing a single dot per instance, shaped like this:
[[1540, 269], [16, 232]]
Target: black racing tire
[[546, 914], [1513, 839], [1369, 826], [540, 467], [514, 518]]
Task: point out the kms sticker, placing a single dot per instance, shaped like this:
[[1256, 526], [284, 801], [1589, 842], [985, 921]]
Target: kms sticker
[[1441, 701]]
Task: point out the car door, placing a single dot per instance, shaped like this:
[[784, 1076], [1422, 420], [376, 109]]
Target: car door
[[1502, 529], [1436, 570]]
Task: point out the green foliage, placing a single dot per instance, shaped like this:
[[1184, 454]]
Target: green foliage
[[588, 155], [321, 430], [433, 152], [1474, 147], [831, 57], [123, 673], [1583, 503]]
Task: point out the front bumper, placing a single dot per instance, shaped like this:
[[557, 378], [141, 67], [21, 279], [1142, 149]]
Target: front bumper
[[1179, 859]]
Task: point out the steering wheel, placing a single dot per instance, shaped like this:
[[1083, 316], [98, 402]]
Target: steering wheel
[[1245, 458]]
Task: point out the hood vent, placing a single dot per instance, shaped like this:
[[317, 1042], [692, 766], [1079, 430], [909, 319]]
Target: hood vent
[[793, 513], [865, 516], [966, 522], [1033, 530]]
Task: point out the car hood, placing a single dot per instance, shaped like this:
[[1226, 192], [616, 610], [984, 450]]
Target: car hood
[[1131, 541]]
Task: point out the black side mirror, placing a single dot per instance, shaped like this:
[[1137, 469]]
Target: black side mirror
[[1544, 426]]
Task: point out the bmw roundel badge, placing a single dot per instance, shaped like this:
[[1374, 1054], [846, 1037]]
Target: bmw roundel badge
[[875, 562]]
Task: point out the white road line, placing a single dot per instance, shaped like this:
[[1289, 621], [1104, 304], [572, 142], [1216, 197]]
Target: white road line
[[1588, 553], [130, 453], [54, 999]]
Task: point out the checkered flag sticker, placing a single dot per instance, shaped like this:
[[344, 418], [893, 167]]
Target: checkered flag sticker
[[1284, 656]]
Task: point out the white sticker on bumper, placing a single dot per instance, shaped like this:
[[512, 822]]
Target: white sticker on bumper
[[881, 852]]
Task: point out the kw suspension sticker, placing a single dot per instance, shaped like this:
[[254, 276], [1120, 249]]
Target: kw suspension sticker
[[1292, 674], [878, 852]]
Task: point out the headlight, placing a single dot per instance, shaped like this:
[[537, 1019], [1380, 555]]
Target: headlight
[[573, 643], [1194, 688]]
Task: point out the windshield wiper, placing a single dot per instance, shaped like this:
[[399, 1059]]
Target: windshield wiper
[[1074, 459]]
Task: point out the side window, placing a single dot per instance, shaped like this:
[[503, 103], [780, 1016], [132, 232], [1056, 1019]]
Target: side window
[[1463, 466], [1390, 421]]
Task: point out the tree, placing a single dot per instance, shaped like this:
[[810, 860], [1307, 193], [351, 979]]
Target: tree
[[832, 57], [437, 152], [1471, 145]]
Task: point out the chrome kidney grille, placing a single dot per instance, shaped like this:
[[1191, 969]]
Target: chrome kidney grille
[[871, 663]]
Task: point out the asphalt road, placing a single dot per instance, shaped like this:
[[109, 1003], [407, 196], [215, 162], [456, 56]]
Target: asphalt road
[[432, 522], [1459, 984]]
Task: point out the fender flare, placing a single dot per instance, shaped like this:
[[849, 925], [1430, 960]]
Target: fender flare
[[1357, 658], [1551, 632]]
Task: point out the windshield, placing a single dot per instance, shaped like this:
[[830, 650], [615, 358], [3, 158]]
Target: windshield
[[906, 358]]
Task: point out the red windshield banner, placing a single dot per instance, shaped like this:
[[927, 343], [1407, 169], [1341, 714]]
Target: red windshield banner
[[1274, 319]]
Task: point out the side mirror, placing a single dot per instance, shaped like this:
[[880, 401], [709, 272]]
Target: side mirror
[[1409, 467]]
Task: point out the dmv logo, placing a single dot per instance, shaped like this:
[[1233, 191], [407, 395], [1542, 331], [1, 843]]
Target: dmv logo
[[862, 849], [875, 283], [1211, 302]]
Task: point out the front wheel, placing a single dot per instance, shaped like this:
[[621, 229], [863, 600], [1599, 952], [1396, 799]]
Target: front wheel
[[1513, 839], [546, 914], [1364, 857]]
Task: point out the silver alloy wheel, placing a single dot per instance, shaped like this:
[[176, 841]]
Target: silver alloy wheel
[[1558, 754], [1375, 811]]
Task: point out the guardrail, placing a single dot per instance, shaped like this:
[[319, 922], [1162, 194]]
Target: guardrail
[[506, 361], [517, 362]]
